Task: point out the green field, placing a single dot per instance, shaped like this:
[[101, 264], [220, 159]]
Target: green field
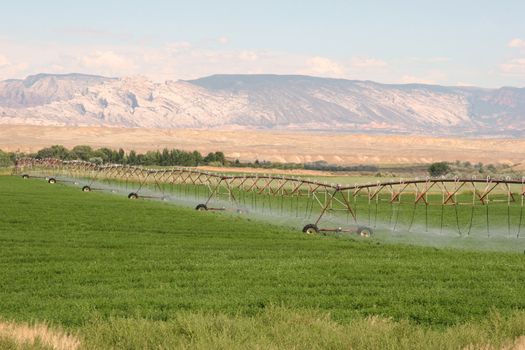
[[117, 273], [497, 226]]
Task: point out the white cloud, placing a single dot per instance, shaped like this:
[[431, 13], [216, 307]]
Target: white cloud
[[178, 46], [323, 66], [515, 66], [429, 77], [367, 62], [185, 60], [223, 40], [108, 62], [248, 56], [517, 43], [3, 60], [9, 71]]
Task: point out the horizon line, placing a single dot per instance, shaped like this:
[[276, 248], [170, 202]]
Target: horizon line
[[254, 75]]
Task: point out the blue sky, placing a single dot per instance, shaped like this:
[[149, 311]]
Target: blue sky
[[443, 42]]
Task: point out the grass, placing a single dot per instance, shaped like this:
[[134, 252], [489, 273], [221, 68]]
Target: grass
[[280, 328], [104, 268], [35, 336], [271, 328]]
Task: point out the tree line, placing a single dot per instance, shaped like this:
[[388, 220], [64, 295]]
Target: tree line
[[165, 157]]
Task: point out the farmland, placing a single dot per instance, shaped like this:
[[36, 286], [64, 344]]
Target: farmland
[[105, 269], [496, 226]]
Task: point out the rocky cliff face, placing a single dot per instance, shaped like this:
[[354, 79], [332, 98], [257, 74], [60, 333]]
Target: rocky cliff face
[[262, 101], [41, 89]]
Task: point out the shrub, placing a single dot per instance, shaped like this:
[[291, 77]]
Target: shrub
[[438, 169]]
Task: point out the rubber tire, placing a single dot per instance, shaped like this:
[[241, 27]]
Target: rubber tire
[[133, 195], [25, 176], [201, 207], [365, 231], [86, 189], [52, 180], [310, 229]]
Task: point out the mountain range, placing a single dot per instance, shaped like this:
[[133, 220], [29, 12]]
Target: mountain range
[[288, 102]]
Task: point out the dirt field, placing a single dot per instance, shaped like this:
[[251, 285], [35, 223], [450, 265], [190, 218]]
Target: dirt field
[[277, 146]]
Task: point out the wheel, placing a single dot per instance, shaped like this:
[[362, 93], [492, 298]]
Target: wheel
[[25, 176], [133, 195], [86, 189], [310, 229], [52, 180], [201, 207], [365, 231]]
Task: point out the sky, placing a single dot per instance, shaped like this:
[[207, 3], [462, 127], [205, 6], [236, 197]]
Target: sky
[[461, 42]]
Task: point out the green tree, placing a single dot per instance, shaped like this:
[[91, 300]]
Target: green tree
[[480, 167], [438, 169], [211, 157], [5, 159], [83, 152], [219, 157], [151, 158], [132, 157], [165, 158], [121, 156], [197, 157], [55, 151], [106, 154]]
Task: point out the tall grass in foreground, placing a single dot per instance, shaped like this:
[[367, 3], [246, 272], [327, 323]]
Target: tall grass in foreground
[[281, 328], [35, 336], [278, 328]]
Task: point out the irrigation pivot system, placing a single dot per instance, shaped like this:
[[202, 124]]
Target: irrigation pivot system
[[491, 206]]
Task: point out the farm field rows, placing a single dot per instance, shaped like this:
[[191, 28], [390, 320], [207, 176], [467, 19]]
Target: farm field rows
[[106, 268]]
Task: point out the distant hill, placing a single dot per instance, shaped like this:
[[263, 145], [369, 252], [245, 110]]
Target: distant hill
[[264, 102]]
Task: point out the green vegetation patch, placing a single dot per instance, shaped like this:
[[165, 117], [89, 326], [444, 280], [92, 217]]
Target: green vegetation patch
[[280, 328], [67, 257]]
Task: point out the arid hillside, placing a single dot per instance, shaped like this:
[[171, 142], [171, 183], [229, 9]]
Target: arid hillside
[[274, 146], [263, 102]]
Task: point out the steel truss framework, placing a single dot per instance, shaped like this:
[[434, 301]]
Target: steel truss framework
[[329, 198]]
